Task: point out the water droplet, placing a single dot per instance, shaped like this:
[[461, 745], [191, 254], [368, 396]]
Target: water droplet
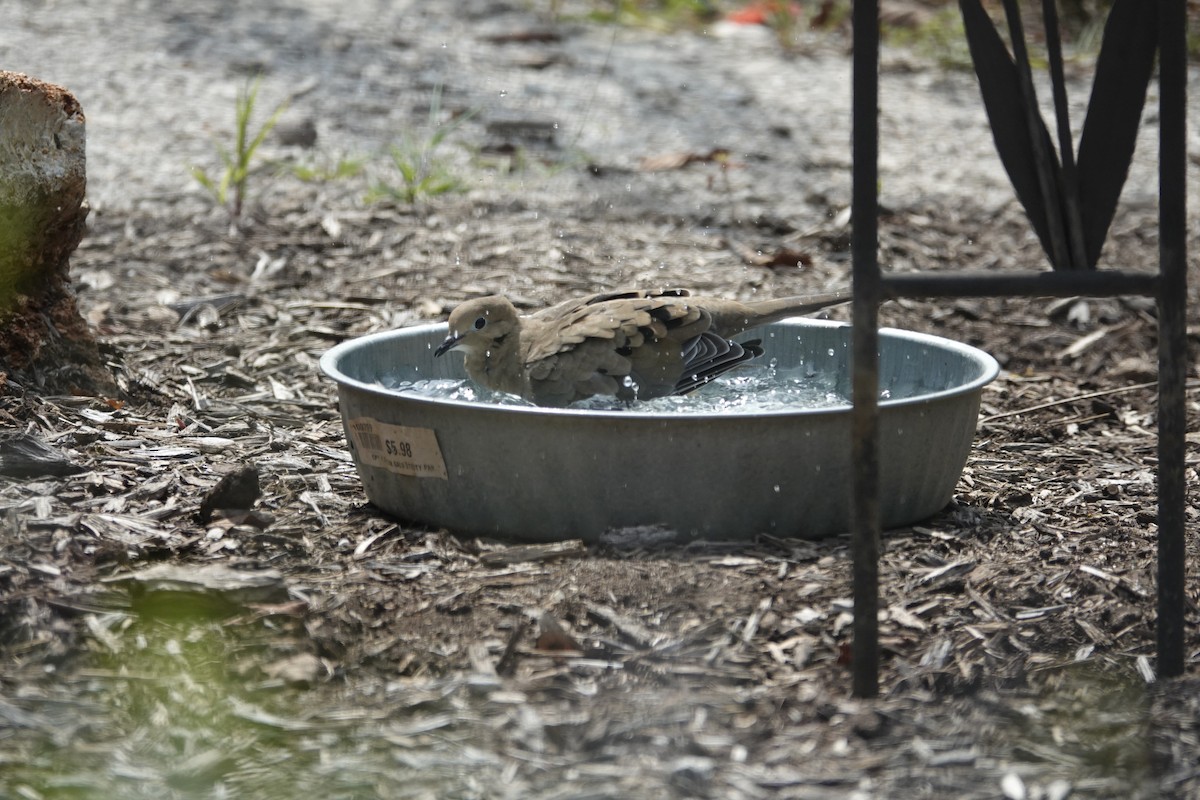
[[776, 488]]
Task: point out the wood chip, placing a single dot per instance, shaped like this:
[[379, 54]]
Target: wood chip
[[552, 551]]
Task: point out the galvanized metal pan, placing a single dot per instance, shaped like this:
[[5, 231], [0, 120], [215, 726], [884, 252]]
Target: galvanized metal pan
[[550, 474]]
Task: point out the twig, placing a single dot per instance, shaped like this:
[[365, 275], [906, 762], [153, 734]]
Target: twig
[[508, 659], [1088, 396], [550, 551], [1084, 342]]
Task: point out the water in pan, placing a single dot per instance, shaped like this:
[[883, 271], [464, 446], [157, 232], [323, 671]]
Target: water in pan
[[750, 389]]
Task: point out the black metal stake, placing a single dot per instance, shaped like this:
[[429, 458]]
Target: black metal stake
[[1060, 283], [1168, 285], [864, 243], [1172, 333]]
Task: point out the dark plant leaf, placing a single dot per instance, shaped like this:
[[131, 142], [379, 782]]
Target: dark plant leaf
[[1114, 112], [1066, 144], [999, 83], [1048, 169]]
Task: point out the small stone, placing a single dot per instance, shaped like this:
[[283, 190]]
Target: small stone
[[1012, 786], [300, 132], [200, 771], [300, 670], [237, 490], [869, 724]]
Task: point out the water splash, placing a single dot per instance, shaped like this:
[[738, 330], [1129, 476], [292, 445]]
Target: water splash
[[749, 390]]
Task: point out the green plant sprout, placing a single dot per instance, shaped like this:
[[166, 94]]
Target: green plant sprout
[[323, 171], [422, 172], [939, 37], [656, 14], [230, 189]]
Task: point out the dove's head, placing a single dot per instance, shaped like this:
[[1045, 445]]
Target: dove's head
[[480, 325]]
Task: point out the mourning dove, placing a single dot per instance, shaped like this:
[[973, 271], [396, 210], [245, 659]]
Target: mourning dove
[[641, 344]]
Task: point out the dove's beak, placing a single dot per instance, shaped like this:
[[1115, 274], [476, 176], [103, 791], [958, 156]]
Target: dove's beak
[[445, 347]]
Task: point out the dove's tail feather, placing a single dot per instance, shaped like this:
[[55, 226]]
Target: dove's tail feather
[[707, 356], [731, 317]]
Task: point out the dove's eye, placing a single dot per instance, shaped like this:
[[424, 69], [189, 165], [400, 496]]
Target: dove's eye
[[479, 323]]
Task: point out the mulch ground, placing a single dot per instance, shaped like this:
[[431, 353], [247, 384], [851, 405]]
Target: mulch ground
[[317, 645], [1017, 625]]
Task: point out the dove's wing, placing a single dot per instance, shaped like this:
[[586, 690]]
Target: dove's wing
[[591, 346]]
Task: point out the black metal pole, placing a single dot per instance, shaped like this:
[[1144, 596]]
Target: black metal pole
[[1057, 283], [864, 241], [1172, 333]]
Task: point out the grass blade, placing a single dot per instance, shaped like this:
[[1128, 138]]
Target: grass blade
[[202, 178], [266, 129], [1109, 135]]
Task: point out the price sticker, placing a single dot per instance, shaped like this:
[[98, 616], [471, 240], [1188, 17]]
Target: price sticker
[[397, 448]]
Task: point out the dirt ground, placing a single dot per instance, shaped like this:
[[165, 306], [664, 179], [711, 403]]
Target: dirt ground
[[352, 655]]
